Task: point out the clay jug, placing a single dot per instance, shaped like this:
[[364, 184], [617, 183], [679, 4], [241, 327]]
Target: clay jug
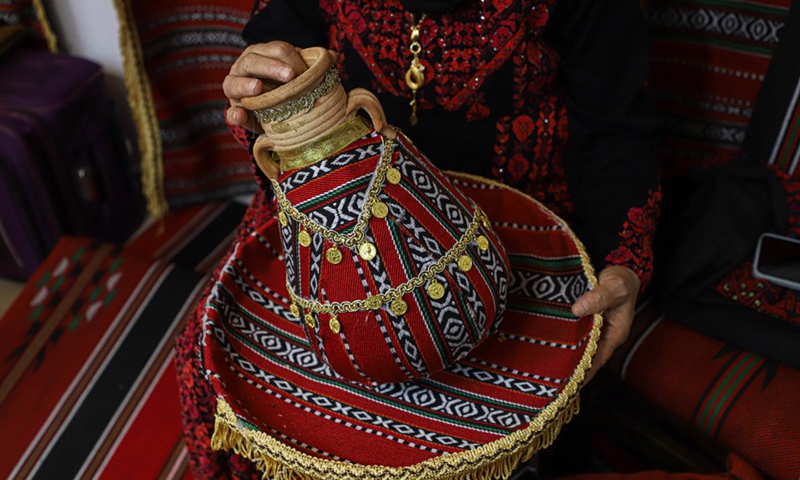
[[391, 271]]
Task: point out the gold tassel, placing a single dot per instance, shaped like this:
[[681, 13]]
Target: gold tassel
[[260, 448], [140, 98], [47, 30]]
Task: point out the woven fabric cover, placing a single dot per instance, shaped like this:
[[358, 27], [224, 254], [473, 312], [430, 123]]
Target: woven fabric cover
[[426, 218], [280, 405]]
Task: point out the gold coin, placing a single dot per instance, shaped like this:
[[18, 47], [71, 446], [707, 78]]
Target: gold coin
[[283, 219], [436, 290], [465, 263], [304, 238], [486, 222], [311, 321], [367, 251], [394, 176], [399, 307], [483, 242], [334, 255], [374, 303], [295, 311], [334, 324], [380, 210]]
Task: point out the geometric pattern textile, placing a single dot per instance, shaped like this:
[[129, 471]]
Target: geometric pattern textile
[[744, 401], [425, 219], [709, 60], [177, 54], [502, 402], [773, 133], [87, 373], [89, 340]]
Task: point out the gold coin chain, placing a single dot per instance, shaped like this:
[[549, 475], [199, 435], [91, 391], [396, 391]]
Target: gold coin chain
[[375, 302], [351, 239]]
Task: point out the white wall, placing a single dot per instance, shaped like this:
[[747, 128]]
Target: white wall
[[89, 29]]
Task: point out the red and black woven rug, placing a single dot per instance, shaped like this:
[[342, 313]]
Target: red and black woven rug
[[87, 380]]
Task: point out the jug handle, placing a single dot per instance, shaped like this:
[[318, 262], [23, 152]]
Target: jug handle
[[262, 152], [359, 98]]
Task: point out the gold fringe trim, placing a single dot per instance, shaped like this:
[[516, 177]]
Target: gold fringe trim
[[495, 460], [49, 36], [140, 98]]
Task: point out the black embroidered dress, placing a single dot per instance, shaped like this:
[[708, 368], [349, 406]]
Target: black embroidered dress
[[545, 97]]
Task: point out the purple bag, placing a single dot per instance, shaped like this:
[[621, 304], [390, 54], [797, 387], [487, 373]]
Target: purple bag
[[63, 168]]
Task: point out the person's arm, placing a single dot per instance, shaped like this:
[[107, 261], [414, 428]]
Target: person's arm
[[612, 173], [611, 169]]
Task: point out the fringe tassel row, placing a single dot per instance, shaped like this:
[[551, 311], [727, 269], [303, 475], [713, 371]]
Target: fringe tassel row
[[140, 98], [249, 444], [47, 29]]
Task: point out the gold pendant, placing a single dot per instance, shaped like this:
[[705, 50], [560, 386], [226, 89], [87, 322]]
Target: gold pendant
[[436, 290], [374, 302], [367, 251], [394, 176], [399, 307], [415, 75], [334, 255], [483, 242], [465, 263], [334, 325], [304, 238], [380, 210]]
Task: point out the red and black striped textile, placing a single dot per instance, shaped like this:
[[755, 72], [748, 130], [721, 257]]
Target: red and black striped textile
[[282, 396], [188, 48], [745, 401], [87, 375], [426, 218], [709, 61]]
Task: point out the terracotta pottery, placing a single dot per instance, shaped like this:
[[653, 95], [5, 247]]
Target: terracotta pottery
[[328, 113]]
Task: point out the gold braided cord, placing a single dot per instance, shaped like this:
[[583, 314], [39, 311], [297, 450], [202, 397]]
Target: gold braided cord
[[397, 292], [495, 460], [47, 30], [140, 99], [354, 238], [301, 105]]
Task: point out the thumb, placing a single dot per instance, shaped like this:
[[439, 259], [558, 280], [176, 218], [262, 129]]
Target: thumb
[[593, 301]]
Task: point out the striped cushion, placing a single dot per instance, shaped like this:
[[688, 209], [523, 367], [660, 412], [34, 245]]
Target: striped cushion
[[709, 62], [187, 49], [744, 401]]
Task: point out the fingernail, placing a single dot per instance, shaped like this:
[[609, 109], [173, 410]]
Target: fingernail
[[285, 72], [254, 86]]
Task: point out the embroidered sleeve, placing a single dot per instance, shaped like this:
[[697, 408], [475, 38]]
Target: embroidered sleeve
[[241, 134], [635, 250]]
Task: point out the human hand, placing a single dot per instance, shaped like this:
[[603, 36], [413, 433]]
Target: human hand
[[260, 67], [615, 294]]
